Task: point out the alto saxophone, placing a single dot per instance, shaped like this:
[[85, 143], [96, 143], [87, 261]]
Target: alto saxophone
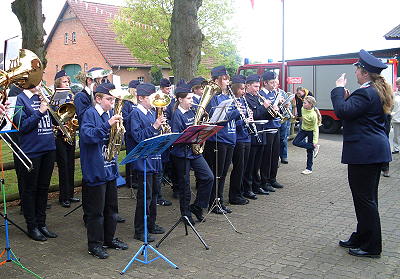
[[117, 130]]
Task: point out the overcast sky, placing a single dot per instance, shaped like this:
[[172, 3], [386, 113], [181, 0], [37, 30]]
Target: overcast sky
[[312, 27]]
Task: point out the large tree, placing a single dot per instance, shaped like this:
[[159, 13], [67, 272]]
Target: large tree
[[31, 18], [144, 26]]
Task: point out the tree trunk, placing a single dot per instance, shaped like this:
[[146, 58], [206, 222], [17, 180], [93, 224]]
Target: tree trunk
[[29, 14], [185, 40]]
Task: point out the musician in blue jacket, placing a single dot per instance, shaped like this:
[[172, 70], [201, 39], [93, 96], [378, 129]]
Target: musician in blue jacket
[[184, 159], [365, 148], [127, 108], [37, 141], [100, 202], [144, 125], [224, 141]]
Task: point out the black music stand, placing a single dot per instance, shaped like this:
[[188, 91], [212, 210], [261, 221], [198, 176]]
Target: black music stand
[[147, 148], [196, 134]]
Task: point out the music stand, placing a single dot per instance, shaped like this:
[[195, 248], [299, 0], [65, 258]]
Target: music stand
[[147, 148], [219, 116], [196, 134], [9, 254]]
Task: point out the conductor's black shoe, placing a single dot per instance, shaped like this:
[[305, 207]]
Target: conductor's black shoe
[[191, 221], [216, 210], [284, 161], [98, 252], [74, 199], [358, 252], [120, 219], [164, 202], [348, 244], [65, 204], [227, 209], [156, 230], [250, 195], [36, 235], [45, 231], [276, 185], [141, 237], [116, 244], [261, 191], [239, 201], [197, 211]]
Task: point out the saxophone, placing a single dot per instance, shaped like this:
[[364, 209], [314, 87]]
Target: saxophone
[[210, 89], [117, 130]]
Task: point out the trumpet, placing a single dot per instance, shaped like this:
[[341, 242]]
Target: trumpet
[[273, 113]]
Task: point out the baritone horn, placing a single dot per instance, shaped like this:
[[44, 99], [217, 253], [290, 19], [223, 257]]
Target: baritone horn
[[160, 101]]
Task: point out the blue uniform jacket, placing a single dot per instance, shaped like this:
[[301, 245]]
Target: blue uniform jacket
[[82, 102], [180, 121], [364, 138], [35, 129], [141, 128], [94, 136], [228, 133]]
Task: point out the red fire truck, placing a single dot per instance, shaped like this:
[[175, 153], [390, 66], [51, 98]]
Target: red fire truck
[[319, 77]]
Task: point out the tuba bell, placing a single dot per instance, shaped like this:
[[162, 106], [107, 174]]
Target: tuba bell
[[210, 90], [160, 101]]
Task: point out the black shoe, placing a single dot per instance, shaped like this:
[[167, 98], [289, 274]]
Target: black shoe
[[65, 204], [191, 221], [141, 237], [284, 161], [98, 252], [358, 252], [348, 244], [250, 195], [120, 219], [197, 211], [269, 188], [260, 191], [116, 244], [276, 185], [74, 199], [227, 209], [36, 235], [47, 233], [239, 201], [164, 202], [216, 210], [156, 230]]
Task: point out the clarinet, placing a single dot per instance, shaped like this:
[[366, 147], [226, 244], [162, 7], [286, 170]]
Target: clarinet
[[251, 128]]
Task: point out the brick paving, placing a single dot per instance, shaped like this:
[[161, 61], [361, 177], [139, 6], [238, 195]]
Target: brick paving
[[292, 233]]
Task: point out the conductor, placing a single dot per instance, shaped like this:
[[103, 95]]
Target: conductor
[[365, 148]]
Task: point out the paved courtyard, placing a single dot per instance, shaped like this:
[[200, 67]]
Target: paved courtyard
[[292, 233]]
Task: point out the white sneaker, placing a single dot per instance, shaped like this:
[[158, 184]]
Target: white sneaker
[[316, 150], [306, 171]]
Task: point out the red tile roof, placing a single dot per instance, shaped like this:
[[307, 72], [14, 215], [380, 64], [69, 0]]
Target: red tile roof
[[96, 19]]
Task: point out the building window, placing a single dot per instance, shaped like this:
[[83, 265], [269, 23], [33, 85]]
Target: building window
[[85, 67], [66, 39], [73, 37], [140, 79]]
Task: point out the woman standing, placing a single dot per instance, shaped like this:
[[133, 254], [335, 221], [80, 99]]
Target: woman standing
[[365, 148]]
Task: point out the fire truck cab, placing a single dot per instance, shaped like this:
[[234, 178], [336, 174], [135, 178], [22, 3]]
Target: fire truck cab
[[319, 77]]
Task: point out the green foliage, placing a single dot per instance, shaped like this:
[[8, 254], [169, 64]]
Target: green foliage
[[144, 27], [156, 75]]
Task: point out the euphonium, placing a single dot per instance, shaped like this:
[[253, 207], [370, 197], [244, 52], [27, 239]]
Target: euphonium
[[210, 89], [160, 101], [117, 130]]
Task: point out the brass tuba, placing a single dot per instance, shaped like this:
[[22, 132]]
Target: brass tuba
[[117, 130], [160, 101], [210, 89]]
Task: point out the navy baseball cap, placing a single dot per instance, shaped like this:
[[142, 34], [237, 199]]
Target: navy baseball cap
[[369, 62]]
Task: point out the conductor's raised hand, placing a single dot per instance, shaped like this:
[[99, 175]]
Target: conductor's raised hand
[[115, 119]]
